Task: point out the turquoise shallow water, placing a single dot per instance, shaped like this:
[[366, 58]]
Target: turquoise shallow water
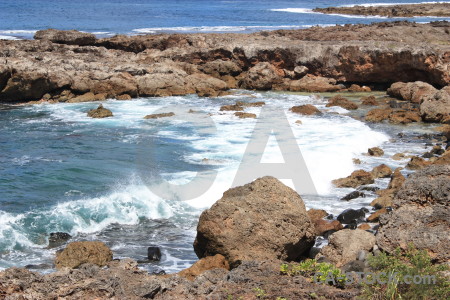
[[93, 178], [21, 18]]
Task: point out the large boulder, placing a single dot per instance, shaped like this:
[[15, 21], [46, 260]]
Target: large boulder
[[262, 220], [262, 76], [411, 91], [69, 37], [78, 253], [422, 214], [436, 108], [306, 109], [344, 245]]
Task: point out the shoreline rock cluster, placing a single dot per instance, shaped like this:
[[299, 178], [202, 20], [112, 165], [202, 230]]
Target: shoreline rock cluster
[[70, 66], [392, 11]]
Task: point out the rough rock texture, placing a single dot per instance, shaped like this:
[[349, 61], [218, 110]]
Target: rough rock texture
[[69, 37], [207, 64], [369, 100], [402, 10], [342, 102], [161, 115], [436, 108], [203, 265], [378, 115], [78, 253], [123, 280], [306, 109], [100, 112], [381, 171], [244, 115], [357, 178], [422, 214], [411, 91], [238, 227], [375, 151], [344, 245]]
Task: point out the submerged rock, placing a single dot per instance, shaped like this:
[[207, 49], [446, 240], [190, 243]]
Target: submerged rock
[[238, 227], [161, 115], [353, 195], [375, 151], [343, 102], [349, 215], [244, 115], [154, 253], [78, 253]]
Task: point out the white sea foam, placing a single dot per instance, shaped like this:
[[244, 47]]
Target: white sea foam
[[7, 37], [216, 28]]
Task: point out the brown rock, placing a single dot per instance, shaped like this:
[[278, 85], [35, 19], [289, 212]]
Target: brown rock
[[375, 151], [369, 100], [323, 226], [404, 117], [383, 201], [100, 112], [69, 37], [250, 104], [381, 171], [262, 76], [364, 226], [397, 180], [244, 115], [316, 214], [417, 163], [88, 97], [344, 245], [310, 83], [436, 107], [376, 215], [411, 91], [378, 115], [357, 178], [342, 102], [357, 88], [237, 225], [123, 97], [203, 265], [422, 216], [78, 253], [306, 109], [161, 115], [399, 156], [231, 107]]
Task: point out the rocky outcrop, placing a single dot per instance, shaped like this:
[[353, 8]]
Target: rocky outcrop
[[381, 171], [244, 115], [400, 10], [310, 60], [436, 107], [207, 263], [124, 280], [375, 151], [69, 37], [237, 226], [421, 216], [411, 91], [100, 112], [345, 245], [78, 253]]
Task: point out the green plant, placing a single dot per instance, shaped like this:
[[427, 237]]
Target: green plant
[[260, 293], [411, 263], [281, 298], [319, 272]]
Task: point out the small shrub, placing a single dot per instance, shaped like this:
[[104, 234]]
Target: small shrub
[[398, 265], [319, 272]]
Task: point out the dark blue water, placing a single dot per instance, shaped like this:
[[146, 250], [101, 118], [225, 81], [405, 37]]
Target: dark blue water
[[22, 17]]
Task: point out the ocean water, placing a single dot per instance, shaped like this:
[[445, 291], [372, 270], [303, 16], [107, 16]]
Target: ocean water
[[93, 178], [21, 18], [102, 179]]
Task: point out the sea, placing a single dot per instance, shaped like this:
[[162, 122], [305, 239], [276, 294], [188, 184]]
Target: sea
[[117, 179]]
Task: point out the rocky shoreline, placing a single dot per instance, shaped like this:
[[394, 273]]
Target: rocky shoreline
[[244, 238], [70, 66], [391, 11]]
